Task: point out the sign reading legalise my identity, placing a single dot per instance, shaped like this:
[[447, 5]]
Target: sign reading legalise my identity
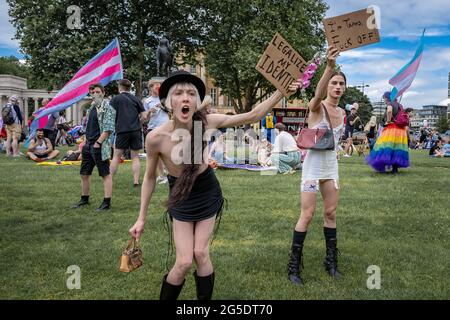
[[281, 64]]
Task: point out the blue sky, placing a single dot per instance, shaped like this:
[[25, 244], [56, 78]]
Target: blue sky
[[402, 22]]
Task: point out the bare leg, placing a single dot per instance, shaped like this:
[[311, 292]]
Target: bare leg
[[348, 145], [308, 206], [8, 146], [160, 169], [202, 236], [32, 156], [330, 197], [183, 234], [53, 154], [85, 183], [15, 146], [115, 161], [135, 165]]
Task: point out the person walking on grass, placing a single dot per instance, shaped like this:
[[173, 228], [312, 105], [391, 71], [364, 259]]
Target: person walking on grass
[[157, 117], [195, 196], [97, 149], [349, 128], [130, 114], [320, 171]]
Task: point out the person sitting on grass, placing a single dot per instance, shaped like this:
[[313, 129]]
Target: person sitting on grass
[[285, 154], [446, 149], [40, 148], [436, 150], [218, 151], [264, 151]]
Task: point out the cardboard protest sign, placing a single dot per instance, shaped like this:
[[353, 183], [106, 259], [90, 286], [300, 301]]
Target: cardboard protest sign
[[352, 30], [281, 64]]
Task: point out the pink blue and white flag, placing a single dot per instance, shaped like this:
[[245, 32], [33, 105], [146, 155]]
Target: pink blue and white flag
[[105, 67], [402, 80]]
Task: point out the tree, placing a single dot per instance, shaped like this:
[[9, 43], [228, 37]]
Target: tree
[[352, 95], [56, 50], [237, 33], [442, 124], [11, 65]]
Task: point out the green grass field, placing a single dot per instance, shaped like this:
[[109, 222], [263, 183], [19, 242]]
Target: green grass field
[[400, 223]]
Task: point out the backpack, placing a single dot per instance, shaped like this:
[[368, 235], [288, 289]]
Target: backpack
[[8, 114], [402, 118], [269, 122]]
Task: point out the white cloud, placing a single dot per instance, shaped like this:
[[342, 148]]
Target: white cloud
[[368, 53], [375, 66], [7, 30]]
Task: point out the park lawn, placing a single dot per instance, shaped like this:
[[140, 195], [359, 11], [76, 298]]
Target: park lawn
[[399, 223]]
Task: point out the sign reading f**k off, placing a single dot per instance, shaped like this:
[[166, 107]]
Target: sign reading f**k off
[[352, 30]]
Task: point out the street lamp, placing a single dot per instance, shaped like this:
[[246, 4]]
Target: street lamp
[[362, 87]]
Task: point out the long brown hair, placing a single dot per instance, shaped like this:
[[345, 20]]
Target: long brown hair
[[185, 181], [338, 73]]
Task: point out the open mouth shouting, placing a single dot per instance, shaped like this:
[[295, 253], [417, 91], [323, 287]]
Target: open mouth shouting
[[185, 112]]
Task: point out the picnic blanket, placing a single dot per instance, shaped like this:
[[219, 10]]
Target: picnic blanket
[[248, 167], [64, 163], [59, 163]]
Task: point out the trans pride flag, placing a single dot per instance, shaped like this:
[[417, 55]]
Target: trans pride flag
[[403, 79], [105, 67]]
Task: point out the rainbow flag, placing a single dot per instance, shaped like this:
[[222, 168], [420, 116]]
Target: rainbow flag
[[105, 67], [402, 80]]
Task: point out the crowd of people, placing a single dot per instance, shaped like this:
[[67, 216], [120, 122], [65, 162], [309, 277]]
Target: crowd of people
[[165, 123]]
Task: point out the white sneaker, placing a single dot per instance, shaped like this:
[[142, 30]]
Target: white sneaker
[[347, 155], [163, 181]]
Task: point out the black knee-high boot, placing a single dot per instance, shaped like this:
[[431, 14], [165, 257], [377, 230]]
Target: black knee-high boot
[[295, 264], [204, 285], [170, 291], [331, 260]]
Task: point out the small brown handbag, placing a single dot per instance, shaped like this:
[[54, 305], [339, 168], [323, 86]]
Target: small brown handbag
[[131, 258], [316, 139]]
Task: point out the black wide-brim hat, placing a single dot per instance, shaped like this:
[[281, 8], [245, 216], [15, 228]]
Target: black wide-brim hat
[[178, 77]]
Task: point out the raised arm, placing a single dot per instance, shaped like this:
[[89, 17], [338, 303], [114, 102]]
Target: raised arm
[[32, 145], [321, 90], [226, 121], [148, 184]]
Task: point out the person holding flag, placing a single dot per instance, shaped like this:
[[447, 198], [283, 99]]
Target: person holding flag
[[391, 147], [105, 67]]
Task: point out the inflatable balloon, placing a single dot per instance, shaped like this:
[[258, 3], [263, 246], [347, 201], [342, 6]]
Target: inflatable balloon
[[348, 107]]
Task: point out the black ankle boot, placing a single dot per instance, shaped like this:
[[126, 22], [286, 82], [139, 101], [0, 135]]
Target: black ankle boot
[[204, 285], [170, 291], [331, 261], [295, 262], [104, 206], [83, 202]]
